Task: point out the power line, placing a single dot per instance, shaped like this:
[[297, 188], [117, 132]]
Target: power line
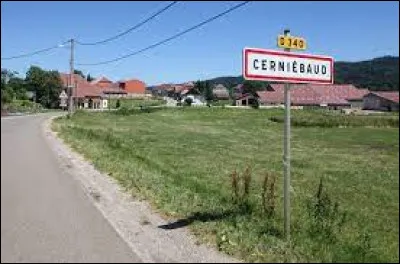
[[35, 52], [168, 39], [130, 29]]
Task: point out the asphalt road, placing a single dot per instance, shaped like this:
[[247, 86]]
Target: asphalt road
[[45, 214]]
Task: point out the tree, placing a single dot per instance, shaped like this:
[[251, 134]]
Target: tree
[[46, 84], [79, 72], [12, 87], [89, 78], [197, 88], [208, 92], [7, 93], [252, 87], [231, 91], [204, 88], [17, 85], [188, 101]]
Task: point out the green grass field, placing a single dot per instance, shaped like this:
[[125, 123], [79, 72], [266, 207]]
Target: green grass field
[[125, 102], [181, 160]]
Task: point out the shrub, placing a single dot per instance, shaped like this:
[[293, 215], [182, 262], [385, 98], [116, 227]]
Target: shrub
[[255, 104], [118, 104], [188, 101]]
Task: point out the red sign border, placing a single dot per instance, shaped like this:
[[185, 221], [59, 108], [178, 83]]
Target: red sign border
[[256, 77]]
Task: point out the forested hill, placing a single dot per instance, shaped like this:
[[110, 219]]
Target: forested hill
[[377, 74]]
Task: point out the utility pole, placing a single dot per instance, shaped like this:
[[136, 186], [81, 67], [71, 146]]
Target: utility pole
[[286, 156], [71, 80]]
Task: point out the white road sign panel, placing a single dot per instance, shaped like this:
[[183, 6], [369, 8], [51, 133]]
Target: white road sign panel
[[272, 65]]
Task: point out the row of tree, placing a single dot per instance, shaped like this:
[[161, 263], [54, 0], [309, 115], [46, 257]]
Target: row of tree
[[45, 86]]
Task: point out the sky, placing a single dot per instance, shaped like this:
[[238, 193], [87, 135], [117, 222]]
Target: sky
[[347, 31]]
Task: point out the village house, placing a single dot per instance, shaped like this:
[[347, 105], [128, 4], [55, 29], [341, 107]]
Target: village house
[[96, 94], [175, 91]]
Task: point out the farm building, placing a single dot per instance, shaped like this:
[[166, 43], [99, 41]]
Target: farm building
[[246, 99], [331, 96], [383, 101]]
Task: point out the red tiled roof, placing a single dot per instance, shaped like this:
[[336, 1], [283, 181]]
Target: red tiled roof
[[113, 88], [88, 90], [391, 96], [65, 79], [100, 79], [309, 94], [183, 92], [83, 87], [92, 89]]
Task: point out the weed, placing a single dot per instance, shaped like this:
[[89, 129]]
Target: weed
[[326, 220], [241, 189], [235, 185], [268, 194]]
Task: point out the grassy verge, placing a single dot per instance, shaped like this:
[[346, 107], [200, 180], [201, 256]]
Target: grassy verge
[[184, 161]]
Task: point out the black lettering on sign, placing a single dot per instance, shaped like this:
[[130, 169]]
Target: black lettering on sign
[[301, 44], [302, 67], [295, 66], [309, 68], [272, 65], [255, 65], [264, 65], [290, 42], [288, 66], [295, 43], [316, 69], [323, 69], [281, 41], [281, 66]]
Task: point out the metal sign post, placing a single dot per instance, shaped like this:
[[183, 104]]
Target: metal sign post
[[287, 67], [286, 157]]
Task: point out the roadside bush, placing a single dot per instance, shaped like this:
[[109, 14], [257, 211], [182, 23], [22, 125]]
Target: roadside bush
[[188, 101], [24, 106], [255, 104]]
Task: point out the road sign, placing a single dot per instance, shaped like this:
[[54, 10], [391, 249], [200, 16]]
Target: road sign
[[272, 65], [289, 42]]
